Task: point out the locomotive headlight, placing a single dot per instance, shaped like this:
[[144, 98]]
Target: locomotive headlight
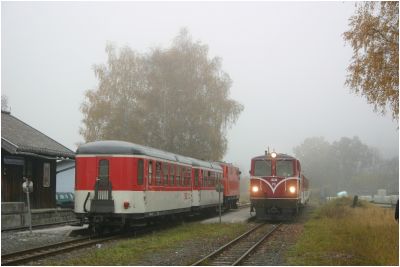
[[292, 189], [254, 189]]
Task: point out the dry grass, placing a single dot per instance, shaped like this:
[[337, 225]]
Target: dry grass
[[341, 235], [135, 251]]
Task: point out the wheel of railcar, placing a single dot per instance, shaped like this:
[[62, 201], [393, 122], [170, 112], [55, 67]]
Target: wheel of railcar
[[98, 229]]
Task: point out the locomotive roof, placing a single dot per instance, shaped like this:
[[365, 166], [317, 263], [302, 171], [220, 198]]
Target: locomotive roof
[[278, 156], [127, 148]]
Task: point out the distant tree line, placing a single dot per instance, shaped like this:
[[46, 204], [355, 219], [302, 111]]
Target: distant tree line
[[175, 99], [347, 164]]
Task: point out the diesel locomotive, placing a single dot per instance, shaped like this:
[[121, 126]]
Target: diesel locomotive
[[278, 188]]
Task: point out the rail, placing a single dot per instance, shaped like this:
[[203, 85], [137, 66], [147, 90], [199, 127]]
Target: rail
[[235, 251], [28, 255]]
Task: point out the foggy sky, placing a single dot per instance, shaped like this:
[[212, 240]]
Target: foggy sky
[[287, 61]]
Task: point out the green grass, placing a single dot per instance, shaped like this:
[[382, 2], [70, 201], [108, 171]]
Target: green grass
[[132, 251], [340, 235]]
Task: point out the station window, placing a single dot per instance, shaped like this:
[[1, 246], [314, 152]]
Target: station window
[[140, 172], [46, 174]]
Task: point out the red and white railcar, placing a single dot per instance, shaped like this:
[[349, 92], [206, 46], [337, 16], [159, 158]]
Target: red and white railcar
[[277, 186], [119, 182]]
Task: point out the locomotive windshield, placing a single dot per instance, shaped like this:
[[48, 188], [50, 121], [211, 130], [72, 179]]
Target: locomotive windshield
[[281, 168], [284, 168], [262, 168]]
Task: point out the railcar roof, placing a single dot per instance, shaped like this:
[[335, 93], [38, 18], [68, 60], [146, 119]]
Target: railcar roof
[[205, 164], [279, 156], [126, 148]]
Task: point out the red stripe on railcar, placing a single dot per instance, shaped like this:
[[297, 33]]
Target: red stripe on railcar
[[122, 173]]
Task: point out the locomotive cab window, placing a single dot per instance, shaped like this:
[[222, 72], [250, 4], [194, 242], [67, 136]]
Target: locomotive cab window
[[262, 168], [284, 168], [140, 172]]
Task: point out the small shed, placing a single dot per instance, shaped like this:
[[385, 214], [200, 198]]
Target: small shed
[[26, 152]]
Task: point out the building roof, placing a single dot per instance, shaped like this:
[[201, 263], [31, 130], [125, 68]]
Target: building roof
[[18, 137]]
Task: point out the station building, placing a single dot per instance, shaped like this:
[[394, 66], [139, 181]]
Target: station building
[[26, 152]]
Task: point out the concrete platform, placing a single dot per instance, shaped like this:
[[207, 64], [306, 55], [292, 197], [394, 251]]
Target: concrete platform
[[16, 241], [233, 216], [14, 215]]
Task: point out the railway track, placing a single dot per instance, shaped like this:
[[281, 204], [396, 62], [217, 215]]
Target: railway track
[[234, 252], [40, 226], [29, 255], [24, 256]]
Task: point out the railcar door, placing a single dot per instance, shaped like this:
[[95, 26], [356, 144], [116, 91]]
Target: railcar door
[[102, 201], [196, 187]]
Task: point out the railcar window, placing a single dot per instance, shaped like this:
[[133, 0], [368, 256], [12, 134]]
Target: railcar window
[[171, 174], [284, 168], [183, 171], [150, 172], [158, 173], [165, 172], [188, 175], [196, 177], [262, 168], [140, 171], [178, 175], [212, 179], [103, 169]]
